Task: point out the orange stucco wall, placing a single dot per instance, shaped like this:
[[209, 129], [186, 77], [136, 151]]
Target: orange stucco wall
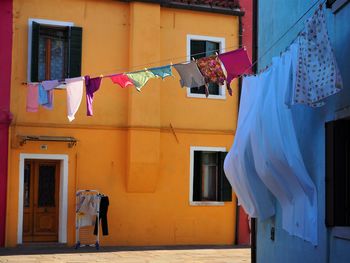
[[127, 150]]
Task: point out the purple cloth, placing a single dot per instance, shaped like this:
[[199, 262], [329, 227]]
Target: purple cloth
[[49, 86], [236, 63], [92, 85]]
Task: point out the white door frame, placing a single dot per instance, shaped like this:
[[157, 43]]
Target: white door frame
[[63, 198]]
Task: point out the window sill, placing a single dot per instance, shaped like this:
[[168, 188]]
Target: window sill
[[206, 203], [341, 232], [339, 4], [202, 96]]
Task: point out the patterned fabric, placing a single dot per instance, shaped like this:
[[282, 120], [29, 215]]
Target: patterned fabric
[[211, 70], [317, 73]]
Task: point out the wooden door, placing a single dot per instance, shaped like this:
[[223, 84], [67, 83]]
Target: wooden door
[[41, 201]]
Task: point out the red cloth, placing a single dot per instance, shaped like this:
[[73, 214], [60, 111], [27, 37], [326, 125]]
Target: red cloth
[[122, 80]]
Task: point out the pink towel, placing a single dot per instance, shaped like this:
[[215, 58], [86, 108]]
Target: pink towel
[[236, 63], [32, 97]]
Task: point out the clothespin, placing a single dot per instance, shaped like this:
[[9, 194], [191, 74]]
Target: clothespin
[[101, 76], [171, 64], [193, 59], [216, 53]]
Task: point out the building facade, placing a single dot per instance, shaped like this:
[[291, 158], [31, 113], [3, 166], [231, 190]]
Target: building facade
[[140, 149], [273, 243]]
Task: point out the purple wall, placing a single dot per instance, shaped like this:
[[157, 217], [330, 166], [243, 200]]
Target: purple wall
[[5, 115]]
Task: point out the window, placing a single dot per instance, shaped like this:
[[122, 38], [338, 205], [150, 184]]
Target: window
[[208, 180], [203, 46], [338, 173], [54, 50], [336, 5]]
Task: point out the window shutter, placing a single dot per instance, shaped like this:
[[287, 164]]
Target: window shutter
[[197, 177], [225, 187], [74, 51], [34, 64]]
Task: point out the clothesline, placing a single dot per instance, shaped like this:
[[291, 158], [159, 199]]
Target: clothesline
[[150, 63], [234, 47], [215, 50]]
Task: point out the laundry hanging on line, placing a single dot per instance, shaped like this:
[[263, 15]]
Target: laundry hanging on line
[[74, 89], [139, 79], [266, 144], [122, 80], [317, 72], [92, 85], [212, 71]]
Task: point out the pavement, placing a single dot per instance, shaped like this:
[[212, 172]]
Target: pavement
[[181, 254]]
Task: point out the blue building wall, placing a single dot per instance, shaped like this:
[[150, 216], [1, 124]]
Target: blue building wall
[[274, 18]]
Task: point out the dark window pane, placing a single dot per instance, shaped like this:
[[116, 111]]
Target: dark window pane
[[26, 194], [211, 48], [197, 49], [200, 90], [46, 194], [53, 44]]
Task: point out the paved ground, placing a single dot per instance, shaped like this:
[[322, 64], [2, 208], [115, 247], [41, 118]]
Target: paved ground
[[213, 254]]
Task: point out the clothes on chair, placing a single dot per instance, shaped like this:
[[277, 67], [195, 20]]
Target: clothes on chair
[[104, 203], [87, 209]]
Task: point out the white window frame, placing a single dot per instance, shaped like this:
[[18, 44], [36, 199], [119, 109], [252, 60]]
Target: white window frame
[[63, 193], [221, 41], [206, 149], [30, 29]]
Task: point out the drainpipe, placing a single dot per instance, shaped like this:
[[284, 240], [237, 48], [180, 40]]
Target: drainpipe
[[240, 42], [255, 67]]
